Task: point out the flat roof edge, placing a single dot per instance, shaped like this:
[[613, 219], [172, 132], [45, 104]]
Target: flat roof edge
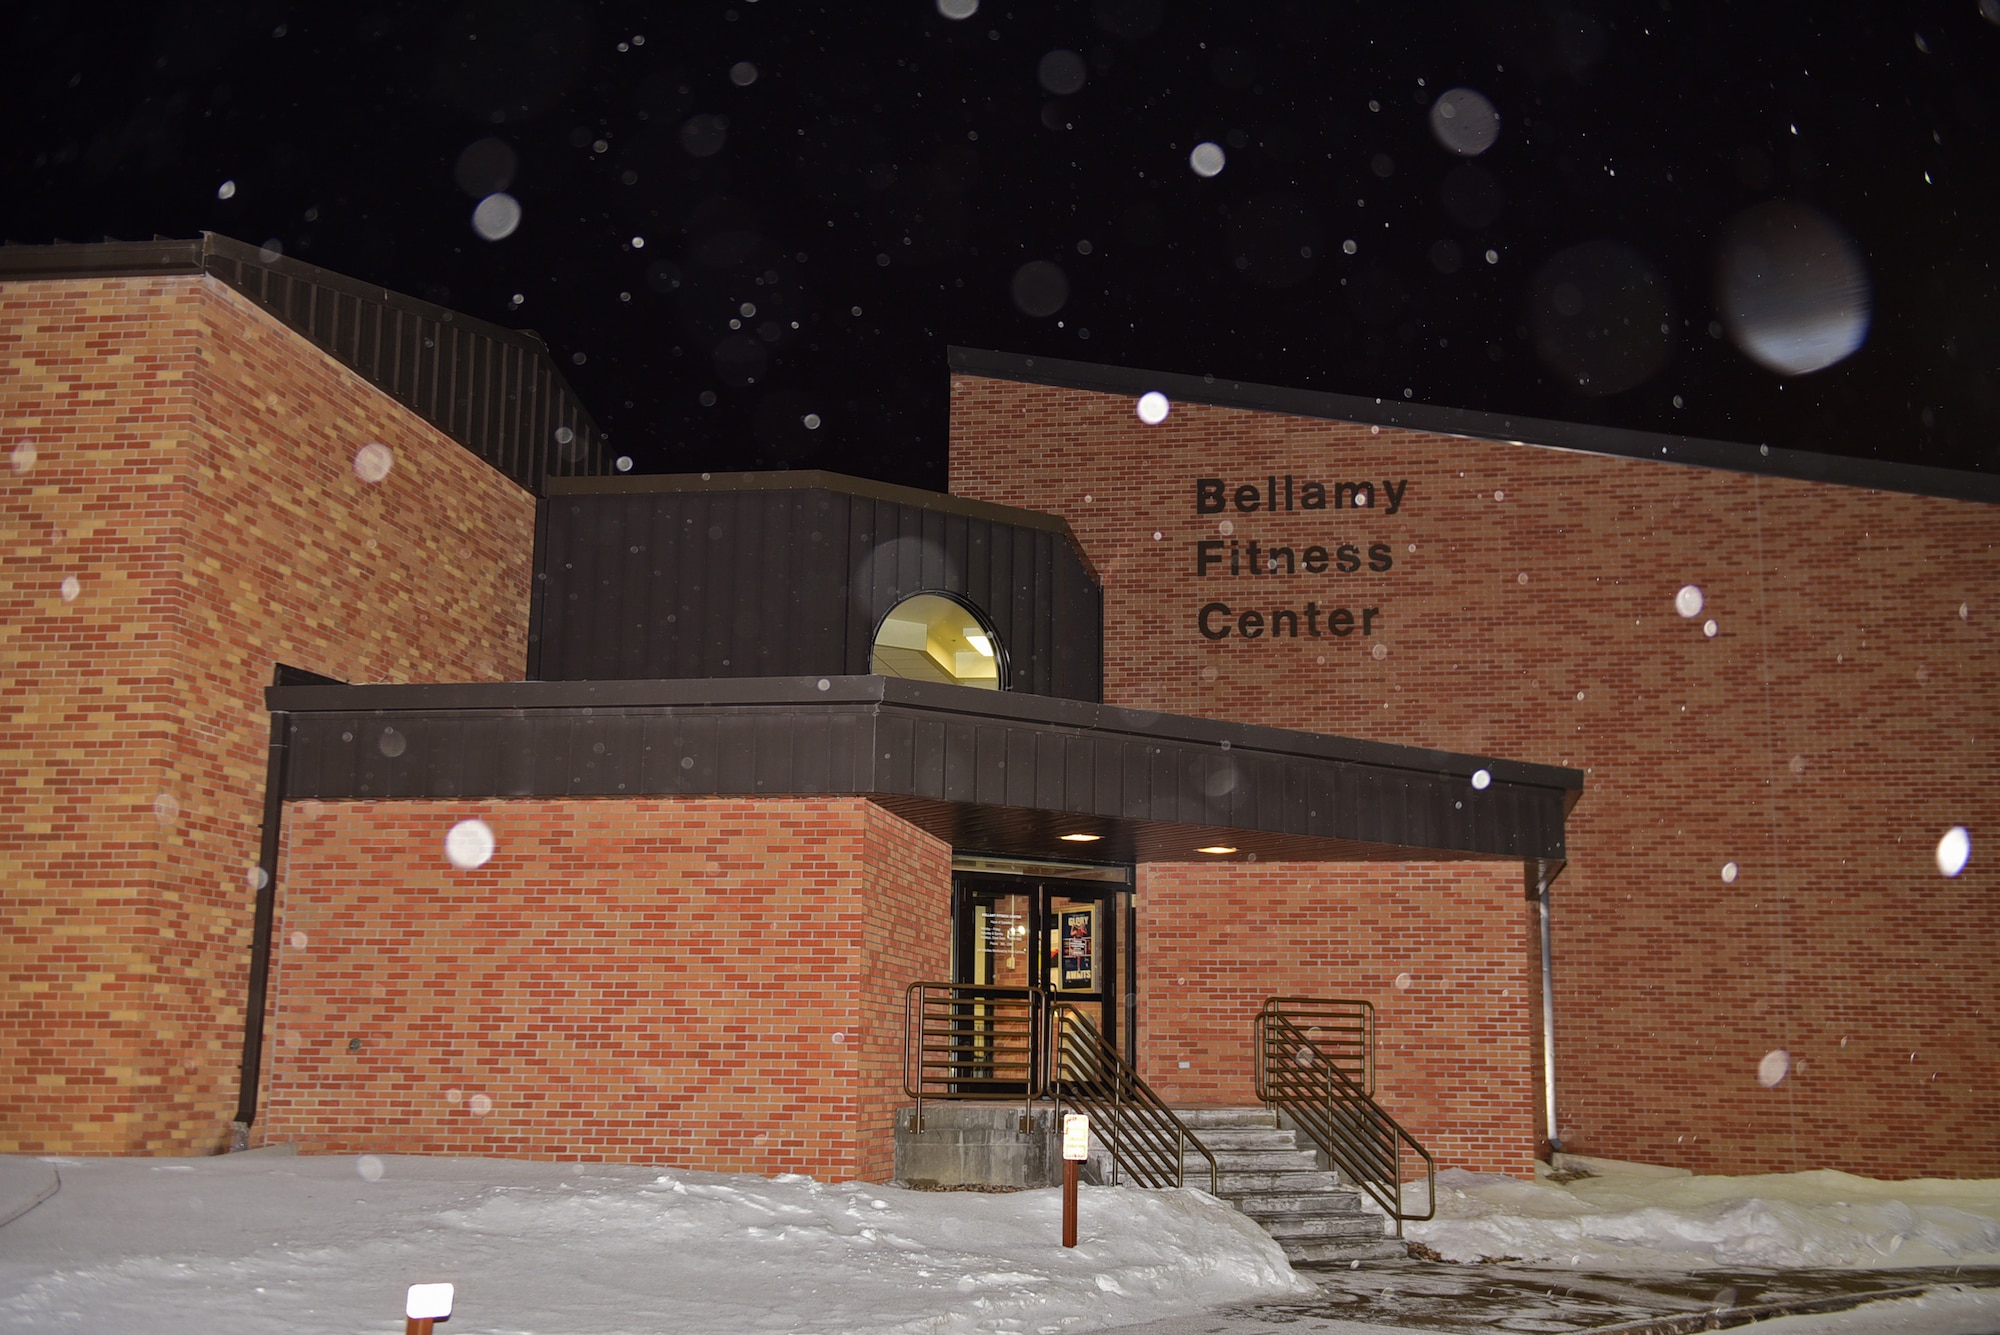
[[963, 701], [1582, 438]]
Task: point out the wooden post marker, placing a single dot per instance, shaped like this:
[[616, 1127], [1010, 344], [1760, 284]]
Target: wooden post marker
[[1076, 1148], [426, 1303]]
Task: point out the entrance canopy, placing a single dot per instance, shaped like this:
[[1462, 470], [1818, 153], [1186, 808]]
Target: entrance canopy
[[994, 772]]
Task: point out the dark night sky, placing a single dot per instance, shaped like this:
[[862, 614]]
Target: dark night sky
[[858, 185]]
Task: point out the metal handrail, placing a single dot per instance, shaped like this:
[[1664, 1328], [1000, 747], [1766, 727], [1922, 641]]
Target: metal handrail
[[979, 1043], [1147, 1142], [1343, 1030], [1354, 1132]]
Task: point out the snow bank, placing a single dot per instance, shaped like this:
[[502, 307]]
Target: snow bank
[[1625, 1220], [305, 1245]]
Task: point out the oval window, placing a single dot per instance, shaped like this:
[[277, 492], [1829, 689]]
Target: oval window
[[933, 637]]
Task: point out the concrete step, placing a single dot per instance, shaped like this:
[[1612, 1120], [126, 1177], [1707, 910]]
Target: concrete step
[[1325, 1228], [1256, 1161], [1333, 1251], [1244, 1183], [1268, 1175], [1197, 1118], [1259, 1204], [1220, 1138]]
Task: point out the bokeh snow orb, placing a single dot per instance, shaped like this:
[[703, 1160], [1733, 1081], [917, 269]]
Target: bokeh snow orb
[[392, 743], [23, 456], [1040, 288], [1729, 873], [369, 1167], [485, 167], [1688, 601], [1771, 1071], [1711, 628], [810, 421], [298, 940], [1153, 407], [479, 1105], [227, 190], [1602, 317], [497, 216], [957, 10], [1208, 159], [1404, 982], [1061, 72], [1465, 122], [1482, 779], [72, 587], [469, 844], [1794, 292], [373, 461], [1953, 850], [743, 74], [166, 808]]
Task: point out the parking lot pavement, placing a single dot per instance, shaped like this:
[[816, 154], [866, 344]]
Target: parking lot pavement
[[1405, 1296]]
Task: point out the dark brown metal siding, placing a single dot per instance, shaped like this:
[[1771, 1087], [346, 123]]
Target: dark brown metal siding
[[493, 390], [763, 583], [1007, 768]]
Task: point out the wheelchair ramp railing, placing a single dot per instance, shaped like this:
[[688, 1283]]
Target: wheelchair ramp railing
[[1343, 1031], [1354, 1132], [1147, 1143], [980, 1043]]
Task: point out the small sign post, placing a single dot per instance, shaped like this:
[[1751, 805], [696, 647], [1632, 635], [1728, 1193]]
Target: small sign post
[[1076, 1148], [426, 1303]]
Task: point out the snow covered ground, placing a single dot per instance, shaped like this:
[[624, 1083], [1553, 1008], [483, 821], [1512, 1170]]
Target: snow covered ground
[[267, 1241], [263, 1241], [1630, 1216]]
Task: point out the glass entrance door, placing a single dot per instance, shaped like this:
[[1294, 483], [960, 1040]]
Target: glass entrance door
[[1065, 936]]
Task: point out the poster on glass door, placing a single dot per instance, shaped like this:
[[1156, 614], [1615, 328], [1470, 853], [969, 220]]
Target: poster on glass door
[[1077, 932]]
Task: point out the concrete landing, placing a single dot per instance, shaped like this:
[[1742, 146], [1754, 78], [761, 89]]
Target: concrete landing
[[25, 1182]]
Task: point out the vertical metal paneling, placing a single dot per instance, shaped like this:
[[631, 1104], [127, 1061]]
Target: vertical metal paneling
[[629, 604], [812, 757], [1167, 768], [439, 760], [736, 761], [992, 753], [1050, 750], [479, 757], [1135, 779], [793, 584], [1107, 774], [663, 630], [859, 623], [961, 760], [776, 766]]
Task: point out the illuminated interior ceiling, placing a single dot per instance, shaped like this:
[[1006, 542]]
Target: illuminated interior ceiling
[[933, 638]]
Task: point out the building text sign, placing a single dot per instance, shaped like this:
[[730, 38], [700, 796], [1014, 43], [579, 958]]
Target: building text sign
[[1285, 583]]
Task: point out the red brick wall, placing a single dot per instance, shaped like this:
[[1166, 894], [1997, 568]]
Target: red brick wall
[[713, 984], [189, 463], [1841, 719], [1441, 949]]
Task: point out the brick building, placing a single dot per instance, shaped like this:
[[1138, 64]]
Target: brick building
[[736, 759]]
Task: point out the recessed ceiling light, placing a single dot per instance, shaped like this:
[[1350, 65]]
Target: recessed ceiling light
[[1216, 848], [1083, 838]]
